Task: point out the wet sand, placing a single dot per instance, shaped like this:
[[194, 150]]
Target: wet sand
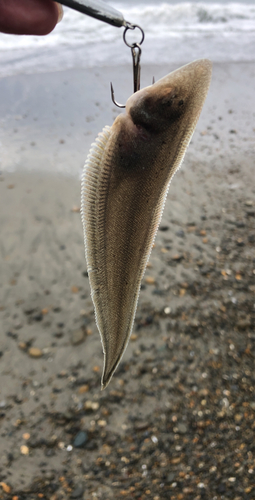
[[177, 420]]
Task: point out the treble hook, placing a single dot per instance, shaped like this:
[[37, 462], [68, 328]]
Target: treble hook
[[136, 56]]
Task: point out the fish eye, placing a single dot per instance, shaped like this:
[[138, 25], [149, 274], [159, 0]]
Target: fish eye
[[180, 103]]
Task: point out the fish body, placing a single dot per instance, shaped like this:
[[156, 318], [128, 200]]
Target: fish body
[[124, 186]]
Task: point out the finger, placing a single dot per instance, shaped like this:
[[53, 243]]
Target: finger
[[28, 17]]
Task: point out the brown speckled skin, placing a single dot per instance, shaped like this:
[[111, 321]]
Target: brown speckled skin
[[129, 178]]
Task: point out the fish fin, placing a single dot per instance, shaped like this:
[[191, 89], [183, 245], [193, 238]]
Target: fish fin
[[93, 196]]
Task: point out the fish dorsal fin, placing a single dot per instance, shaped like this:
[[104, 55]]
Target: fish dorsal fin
[[95, 175], [91, 176]]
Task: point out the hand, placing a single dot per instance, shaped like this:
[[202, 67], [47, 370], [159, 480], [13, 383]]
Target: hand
[[29, 17]]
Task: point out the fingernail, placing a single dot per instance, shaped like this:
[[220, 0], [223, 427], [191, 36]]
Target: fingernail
[[60, 12]]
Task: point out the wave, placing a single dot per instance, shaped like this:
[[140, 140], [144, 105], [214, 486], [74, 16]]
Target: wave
[[173, 32]]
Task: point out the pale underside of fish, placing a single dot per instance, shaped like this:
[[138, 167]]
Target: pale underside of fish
[[124, 186]]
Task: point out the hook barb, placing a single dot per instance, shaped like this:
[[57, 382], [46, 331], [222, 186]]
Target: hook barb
[[113, 99]]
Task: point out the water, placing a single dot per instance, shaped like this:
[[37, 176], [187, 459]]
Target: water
[[174, 32]]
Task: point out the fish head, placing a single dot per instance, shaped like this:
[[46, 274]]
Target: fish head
[[180, 93]]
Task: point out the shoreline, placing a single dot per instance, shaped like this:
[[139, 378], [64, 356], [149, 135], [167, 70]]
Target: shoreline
[[49, 121], [177, 420]]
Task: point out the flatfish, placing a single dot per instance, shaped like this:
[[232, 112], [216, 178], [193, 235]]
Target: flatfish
[[125, 182]]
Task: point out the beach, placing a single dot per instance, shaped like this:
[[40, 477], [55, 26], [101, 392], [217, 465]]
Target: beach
[[178, 418]]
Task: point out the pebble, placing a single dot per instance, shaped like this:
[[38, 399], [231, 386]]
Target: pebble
[[177, 257], [26, 436], [35, 352], [170, 477], [243, 323], [250, 213], [133, 337], [83, 388], [182, 428], [24, 450], [91, 405], [78, 491], [80, 439], [240, 242], [78, 336], [150, 280], [6, 488], [102, 423], [180, 233], [76, 209]]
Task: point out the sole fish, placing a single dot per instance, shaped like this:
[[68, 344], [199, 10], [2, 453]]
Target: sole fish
[[124, 187]]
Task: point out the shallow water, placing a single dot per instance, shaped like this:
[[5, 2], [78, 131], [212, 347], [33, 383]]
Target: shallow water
[[174, 32]]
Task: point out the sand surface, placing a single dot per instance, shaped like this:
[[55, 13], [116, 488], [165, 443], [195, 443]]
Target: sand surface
[[178, 419]]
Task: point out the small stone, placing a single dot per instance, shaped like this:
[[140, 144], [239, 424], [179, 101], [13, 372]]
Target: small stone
[[249, 203], [170, 477], [243, 323], [180, 233], [80, 439], [75, 289], [37, 317], [200, 263], [238, 417], [141, 426], [182, 428], [35, 352], [240, 242], [250, 212], [201, 485], [24, 450], [91, 405], [240, 223], [78, 491], [78, 336], [191, 228], [83, 388], [102, 423], [150, 280], [133, 337], [26, 436], [76, 209], [177, 257], [5, 487]]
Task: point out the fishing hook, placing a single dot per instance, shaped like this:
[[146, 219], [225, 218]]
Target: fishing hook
[[136, 56]]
